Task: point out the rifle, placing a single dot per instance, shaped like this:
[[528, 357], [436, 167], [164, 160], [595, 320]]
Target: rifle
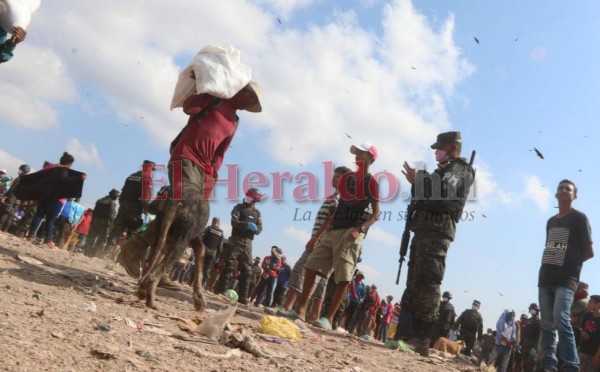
[[405, 239], [406, 234]]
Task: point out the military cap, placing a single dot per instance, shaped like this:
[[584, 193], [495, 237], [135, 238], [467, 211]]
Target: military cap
[[446, 138], [476, 303], [148, 162]]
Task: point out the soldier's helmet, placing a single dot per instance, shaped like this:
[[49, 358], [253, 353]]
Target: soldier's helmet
[[534, 306], [24, 168], [447, 295], [114, 193], [253, 194]]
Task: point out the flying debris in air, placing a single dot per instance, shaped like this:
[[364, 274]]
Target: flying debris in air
[[347, 135], [300, 164], [483, 215], [476, 39], [279, 20], [500, 294], [414, 68], [538, 153]]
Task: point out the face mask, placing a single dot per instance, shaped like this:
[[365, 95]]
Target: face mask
[[441, 156], [533, 312], [445, 299], [248, 201]]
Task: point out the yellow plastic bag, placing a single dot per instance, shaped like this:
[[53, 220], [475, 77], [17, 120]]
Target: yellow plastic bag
[[282, 327]]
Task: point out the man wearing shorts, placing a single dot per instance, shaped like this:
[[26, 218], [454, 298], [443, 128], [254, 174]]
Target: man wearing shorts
[[339, 247]]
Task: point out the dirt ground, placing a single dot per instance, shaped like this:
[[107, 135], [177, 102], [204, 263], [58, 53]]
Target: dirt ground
[[64, 311]]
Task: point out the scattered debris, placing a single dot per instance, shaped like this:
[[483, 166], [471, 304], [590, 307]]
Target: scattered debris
[[144, 354], [29, 260], [270, 338], [105, 351], [103, 327], [212, 326], [234, 353], [281, 327]]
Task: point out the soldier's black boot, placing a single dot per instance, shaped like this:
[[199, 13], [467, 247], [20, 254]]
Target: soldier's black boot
[[244, 285], [225, 280]]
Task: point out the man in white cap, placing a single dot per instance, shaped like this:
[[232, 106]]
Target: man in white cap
[[338, 249]]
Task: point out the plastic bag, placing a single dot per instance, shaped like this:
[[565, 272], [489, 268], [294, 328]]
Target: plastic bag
[[282, 327], [212, 326], [17, 13], [218, 71]]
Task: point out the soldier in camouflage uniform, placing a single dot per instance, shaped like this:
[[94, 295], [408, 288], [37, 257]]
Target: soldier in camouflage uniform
[[131, 206], [212, 237], [246, 222], [446, 317], [8, 209], [470, 326], [105, 212], [438, 200], [29, 207]]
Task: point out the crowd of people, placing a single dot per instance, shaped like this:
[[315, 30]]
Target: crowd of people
[[165, 237]]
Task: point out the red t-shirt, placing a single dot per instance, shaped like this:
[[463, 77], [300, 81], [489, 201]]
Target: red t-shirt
[[206, 142]]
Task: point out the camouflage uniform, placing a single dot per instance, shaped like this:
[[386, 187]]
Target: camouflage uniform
[[105, 212], [29, 208], [7, 210], [213, 242], [131, 205], [239, 252], [438, 200], [470, 323]]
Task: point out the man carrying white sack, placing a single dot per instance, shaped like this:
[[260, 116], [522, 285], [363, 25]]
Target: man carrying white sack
[[15, 16], [210, 90]]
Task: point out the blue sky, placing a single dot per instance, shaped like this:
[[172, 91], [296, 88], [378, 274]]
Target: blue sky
[[98, 82]]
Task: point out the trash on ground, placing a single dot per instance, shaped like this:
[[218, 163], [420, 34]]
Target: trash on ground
[[212, 326], [279, 326]]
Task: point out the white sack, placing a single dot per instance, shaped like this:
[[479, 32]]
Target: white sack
[[17, 13], [218, 72]]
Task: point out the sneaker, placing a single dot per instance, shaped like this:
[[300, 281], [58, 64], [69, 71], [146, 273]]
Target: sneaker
[[167, 283], [273, 310], [291, 314], [322, 323], [50, 245]]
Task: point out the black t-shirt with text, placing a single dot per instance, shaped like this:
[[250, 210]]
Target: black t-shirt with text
[[356, 196], [563, 255]]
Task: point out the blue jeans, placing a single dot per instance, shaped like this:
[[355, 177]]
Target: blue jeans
[[49, 209], [500, 357], [555, 306]]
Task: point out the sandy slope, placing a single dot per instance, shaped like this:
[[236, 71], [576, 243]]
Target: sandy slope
[[71, 312]]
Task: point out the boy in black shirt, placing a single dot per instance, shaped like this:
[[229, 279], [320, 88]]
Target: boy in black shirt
[[568, 245]]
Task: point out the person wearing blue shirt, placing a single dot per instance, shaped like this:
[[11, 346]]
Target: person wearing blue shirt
[[7, 45]]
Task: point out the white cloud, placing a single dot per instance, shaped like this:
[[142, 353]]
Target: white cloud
[[10, 162], [538, 54], [32, 83], [301, 236], [378, 235], [371, 273], [341, 78], [486, 190], [85, 153], [537, 193], [283, 8]]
